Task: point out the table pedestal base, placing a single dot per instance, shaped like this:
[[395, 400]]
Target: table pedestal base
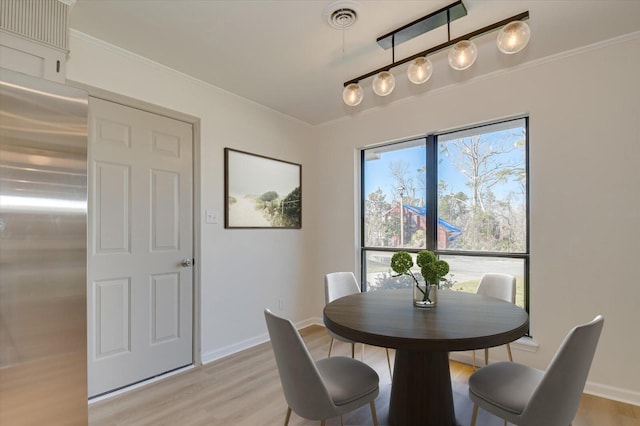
[[421, 390]]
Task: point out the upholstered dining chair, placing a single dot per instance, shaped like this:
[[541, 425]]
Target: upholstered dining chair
[[318, 390], [337, 285], [526, 396], [500, 286]]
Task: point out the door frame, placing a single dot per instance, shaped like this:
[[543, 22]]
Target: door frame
[[106, 95]]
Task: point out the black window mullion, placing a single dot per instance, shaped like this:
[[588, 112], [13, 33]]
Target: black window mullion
[[363, 252], [528, 239], [431, 192]]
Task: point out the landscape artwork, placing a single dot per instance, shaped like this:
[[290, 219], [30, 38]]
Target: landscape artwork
[[261, 192]]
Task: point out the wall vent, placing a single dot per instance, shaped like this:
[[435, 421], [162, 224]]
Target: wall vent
[[45, 21]]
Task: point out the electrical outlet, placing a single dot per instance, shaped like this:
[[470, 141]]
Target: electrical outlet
[[281, 305]]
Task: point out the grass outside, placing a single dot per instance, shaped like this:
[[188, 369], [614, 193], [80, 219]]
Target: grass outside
[[470, 286]]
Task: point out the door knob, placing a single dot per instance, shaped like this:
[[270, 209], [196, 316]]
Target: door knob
[[187, 262]]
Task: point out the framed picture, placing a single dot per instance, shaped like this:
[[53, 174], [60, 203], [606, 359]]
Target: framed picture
[[261, 192]]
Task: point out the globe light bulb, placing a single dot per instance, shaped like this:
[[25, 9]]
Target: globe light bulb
[[419, 70], [513, 37], [383, 83], [352, 94], [462, 55]]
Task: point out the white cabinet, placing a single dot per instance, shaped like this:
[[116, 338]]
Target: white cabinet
[[31, 57], [34, 37]]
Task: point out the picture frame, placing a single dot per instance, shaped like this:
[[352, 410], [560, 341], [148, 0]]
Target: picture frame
[[261, 192]]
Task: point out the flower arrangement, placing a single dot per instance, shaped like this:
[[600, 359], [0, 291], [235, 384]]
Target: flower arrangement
[[432, 269]]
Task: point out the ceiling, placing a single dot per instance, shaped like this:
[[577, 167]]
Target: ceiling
[[283, 54]]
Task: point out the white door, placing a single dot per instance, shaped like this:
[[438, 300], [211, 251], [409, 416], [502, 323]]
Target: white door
[[140, 279]]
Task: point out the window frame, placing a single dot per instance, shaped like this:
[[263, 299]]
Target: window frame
[[431, 203]]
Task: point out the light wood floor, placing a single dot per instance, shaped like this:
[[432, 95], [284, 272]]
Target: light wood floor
[[244, 389]]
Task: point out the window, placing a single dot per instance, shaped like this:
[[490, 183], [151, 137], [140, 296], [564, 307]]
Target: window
[[461, 194]]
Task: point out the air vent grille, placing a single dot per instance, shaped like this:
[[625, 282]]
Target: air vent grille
[[41, 20]]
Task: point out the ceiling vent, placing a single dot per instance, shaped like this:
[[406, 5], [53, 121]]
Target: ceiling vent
[[45, 21], [341, 14]]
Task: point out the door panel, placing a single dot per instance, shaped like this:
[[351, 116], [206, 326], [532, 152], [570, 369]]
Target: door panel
[[165, 308], [165, 202], [112, 208], [112, 313], [140, 230]]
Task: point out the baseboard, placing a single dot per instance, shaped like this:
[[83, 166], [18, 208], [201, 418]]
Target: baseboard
[[249, 343], [310, 321], [627, 396], [234, 348]]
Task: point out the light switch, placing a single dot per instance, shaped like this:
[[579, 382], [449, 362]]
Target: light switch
[[211, 216]]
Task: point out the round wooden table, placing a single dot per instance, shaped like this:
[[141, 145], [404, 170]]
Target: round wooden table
[[421, 389]]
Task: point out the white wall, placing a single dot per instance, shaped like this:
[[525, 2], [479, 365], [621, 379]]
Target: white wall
[[584, 110], [242, 271]]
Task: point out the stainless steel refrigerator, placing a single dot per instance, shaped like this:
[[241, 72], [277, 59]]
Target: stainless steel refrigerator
[[43, 234]]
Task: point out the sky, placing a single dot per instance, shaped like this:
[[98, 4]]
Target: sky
[[377, 172]]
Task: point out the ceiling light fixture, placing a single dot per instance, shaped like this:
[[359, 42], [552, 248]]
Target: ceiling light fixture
[[420, 70], [352, 94], [462, 55], [513, 37], [384, 83]]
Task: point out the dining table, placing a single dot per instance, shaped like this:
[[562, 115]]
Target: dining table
[[421, 392]]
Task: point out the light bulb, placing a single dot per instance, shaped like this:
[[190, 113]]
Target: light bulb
[[513, 37], [352, 94], [462, 55], [383, 83], [420, 70]]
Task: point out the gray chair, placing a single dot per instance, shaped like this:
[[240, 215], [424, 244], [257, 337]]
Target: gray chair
[[337, 285], [318, 390], [500, 286], [526, 396]]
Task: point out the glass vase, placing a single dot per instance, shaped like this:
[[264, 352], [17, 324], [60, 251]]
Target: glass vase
[[425, 296]]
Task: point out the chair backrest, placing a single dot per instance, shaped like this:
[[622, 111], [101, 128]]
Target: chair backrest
[[303, 387], [555, 400], [501, 286], [339, 284]]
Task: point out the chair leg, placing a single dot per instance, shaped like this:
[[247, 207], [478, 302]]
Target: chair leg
[[353, 350], [389, 363], [509, 352], [474, 416], [486, 356], [330, 348], [322, 422], [473, 357], [374, 416], [286, 419], [341, 421]]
